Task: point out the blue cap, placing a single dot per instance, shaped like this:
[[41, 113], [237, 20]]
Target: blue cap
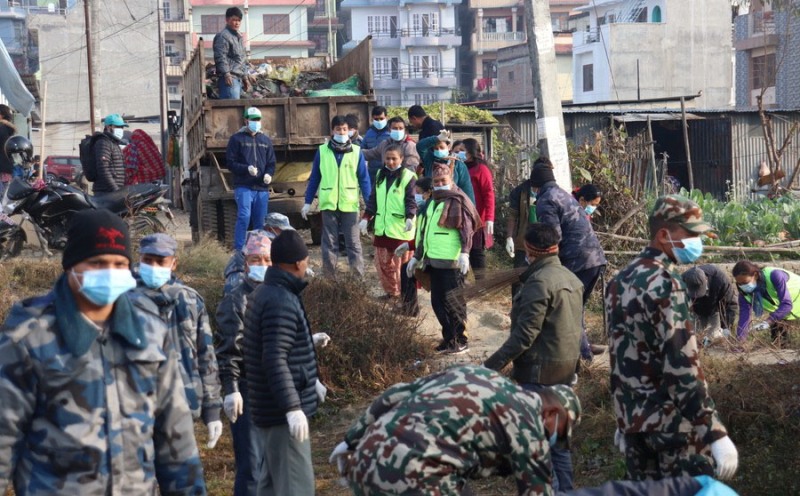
[[114, 120], [160, 244], [276, 220]]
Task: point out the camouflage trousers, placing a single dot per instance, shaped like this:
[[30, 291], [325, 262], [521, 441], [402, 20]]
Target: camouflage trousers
[[656, 455]]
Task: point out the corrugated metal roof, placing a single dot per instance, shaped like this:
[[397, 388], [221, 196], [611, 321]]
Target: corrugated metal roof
[[664, 116]]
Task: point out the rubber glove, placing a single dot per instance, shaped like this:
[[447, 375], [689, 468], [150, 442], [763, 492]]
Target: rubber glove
[[321, 339], [362, 226], [490, 227], [761, 326], [619, 441], [304, 211], [340, 454], [321, 390], [444, 135], [298, 425], [309, 272], [409, 225], [233, 406], [214, 432], [401, 250], [726, 456], [463, 262], [252, 170], [510, 247], [267, 179], [410, 267]]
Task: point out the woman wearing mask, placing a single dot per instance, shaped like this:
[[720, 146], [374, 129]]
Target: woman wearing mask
[[769, 289], [397, 138], [589, 197], [423, 191], [483, 187], [435, 150]]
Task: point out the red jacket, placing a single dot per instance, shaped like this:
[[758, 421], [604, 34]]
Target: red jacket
[[483, 187]]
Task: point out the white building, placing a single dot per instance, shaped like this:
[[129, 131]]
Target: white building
[[650, 49], [414, 47]]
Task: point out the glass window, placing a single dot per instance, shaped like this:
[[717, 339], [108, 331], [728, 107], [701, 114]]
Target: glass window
[[276, 24], [212, 23], [656, 16], [588, 77]]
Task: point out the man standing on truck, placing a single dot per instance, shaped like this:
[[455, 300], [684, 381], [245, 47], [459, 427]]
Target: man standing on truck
[[251, 158], [339, 171], [229, 56]]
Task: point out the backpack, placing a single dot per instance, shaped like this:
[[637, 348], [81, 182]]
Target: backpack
[[86, 151]]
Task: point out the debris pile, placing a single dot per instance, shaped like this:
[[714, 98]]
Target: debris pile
[[268, 81]]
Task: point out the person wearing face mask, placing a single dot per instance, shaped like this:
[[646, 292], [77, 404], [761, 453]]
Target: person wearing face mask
[[423, 191], [521, 215], [338, 173], [667, 424], [398, 138], [769, 289], [109, 159], [393, 207], [234, 270], [91, 397], [545, 338], [250, 156], [588, 197], [377, 132], [442, 251], [353, 123], [184, 311], [228, 340], [465, 422], [483, 185], [435, 150]]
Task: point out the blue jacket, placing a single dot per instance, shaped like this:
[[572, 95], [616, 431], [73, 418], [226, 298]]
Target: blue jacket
[[372, 138], [460, 174], [244, 150], [316, 176]]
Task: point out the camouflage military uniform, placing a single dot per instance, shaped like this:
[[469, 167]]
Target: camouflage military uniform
[[184, 311], [89, 411], [427, 437], [659, 391]]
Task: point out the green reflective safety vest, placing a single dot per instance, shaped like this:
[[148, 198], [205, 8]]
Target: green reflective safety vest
[[338, 188], [793, 285], [441, 243], [390, 218]]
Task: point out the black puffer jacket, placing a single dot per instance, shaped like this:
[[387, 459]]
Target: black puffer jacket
[[279, 355], [110, 164], [230, 333]]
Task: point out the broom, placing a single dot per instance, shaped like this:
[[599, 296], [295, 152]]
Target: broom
[[490, 284]]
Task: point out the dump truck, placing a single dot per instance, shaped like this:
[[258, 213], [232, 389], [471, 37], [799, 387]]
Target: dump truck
[[296, 126]]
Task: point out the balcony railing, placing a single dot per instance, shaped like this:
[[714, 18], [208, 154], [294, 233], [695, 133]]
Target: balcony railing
[[414, 74], [508, 36], [428, 33], [762, 23], [173, 59], [394, 33]]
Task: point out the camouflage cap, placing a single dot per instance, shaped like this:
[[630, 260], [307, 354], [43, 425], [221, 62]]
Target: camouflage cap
[[680, 210], [569, 400]]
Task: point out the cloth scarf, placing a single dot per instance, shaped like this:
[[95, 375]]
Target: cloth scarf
[[457, 208], [337, 147]]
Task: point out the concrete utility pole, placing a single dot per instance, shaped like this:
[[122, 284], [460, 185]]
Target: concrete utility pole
[[549, 122], [89, 63]]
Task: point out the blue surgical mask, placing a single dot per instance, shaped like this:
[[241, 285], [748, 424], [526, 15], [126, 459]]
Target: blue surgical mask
[[554, 436], [691, 251], [589, 209], [443, 188], [254, 126], [351, 133], [341, 138], [419, 198], [154, 277], [397, 134], [440, 153], [103, 286], [462, 156], [257, 272], [379, 124], [749, 287]]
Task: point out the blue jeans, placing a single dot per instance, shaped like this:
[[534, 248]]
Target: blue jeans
[[245, 451], [232, 92], [252, 205], [560, 458]]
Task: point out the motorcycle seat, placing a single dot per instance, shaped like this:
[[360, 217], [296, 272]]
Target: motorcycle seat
[[119, 201]]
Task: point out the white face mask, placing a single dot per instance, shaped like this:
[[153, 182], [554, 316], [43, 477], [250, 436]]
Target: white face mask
[[119, 132]]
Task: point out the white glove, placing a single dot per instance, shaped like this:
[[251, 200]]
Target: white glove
[[252, 170], [761, 326], [214, 432], [267, 179], [401, 250], [340, 454], [619, 441], [298, 425], [321, 390], [304, 211], [463, 262], [233, 406], [362, 226], [309, 272], [409, 225], [510, 247], [726, 456], [726, 333], [410, 267], [490, 227], [320, 339], [444, 135]]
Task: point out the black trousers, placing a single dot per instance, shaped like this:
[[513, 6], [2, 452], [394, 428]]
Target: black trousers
[[589, 278], [408, 293], [451, 312], [477, 260]]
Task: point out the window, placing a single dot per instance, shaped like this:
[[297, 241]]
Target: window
[[763, 71], [559, 22], [489, 68], [382, 26], [173, 89], [425, 98], [425, 24], [212, 23], [425, 66], [167, 9], [656, 16], [642, 15], [385, 100], [386, 67], [276, 24], [510, 75], [169, 49], [588, 77]]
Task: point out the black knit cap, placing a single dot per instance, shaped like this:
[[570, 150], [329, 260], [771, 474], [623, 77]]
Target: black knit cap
[[95, 232], [541, 174], [288, 248]]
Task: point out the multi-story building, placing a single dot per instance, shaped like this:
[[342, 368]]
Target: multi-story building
[[767, 43], [651, 49], [323, 28], [414, 47], [176, 30]]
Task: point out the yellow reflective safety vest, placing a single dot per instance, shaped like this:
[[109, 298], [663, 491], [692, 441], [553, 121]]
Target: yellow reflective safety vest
[[338, 187], [440, 243], [792, 285], [390, 216]]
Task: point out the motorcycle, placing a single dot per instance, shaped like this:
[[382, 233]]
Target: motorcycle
[[49, 206]]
